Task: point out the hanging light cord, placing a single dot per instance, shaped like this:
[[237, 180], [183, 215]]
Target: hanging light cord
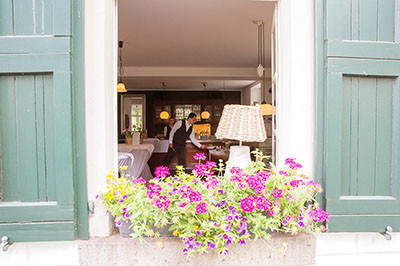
[[121, 68]]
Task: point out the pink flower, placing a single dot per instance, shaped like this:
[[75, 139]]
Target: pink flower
[[195, 196], [153, 190], [292, 163], [202, 170], [182, 204], [139, 180], [318, 215], [163, 203], [262, 203], [201, 208], [162, 171], [199, 156], [263, 175], [277, 193], [185, 191], [247, 204], [211, 164]]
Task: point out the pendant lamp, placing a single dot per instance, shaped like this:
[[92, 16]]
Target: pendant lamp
[[121, 85], [164, 114]]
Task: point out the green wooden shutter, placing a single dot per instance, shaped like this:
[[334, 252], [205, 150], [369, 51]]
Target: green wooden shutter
[[361, 120], [35, 120]]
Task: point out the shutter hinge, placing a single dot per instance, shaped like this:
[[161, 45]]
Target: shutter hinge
[[4, 243], [91, 207]]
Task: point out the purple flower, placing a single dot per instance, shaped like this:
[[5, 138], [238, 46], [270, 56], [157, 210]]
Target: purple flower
[[285, 222], [302, 224], [225, 236], [231, 208], [218, 205], [228, 229], [226, 252], [107, 211], [211, 245], [118, 223], [301, 218], [216, 224], [185, 250], [125, 196], [170, 194], [230, 218], [124, 209], [191, 239], [242, 242], [238, 229], [198, 233], [221, 191], [127, 215], [170, 184], [190, 247], [223, 202], [197, 244], [97, 196], [229, 242], [244, 232], [243, 225], [244, 219]]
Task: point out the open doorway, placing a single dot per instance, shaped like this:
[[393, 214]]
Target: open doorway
[[195, 57]]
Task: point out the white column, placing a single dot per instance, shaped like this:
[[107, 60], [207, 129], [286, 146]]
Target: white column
[[295, 106], [100, 104]]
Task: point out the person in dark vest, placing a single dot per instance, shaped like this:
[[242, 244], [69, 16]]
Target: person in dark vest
[[168, 128], [181, 131]]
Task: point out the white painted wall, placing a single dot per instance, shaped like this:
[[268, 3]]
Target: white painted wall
[[295, 106], [101, 104], [357, 249]]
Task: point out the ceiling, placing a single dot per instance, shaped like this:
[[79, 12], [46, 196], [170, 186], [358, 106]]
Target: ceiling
[[192, 33], [186, 84]]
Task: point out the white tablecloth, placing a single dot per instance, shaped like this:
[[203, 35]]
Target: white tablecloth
[[152, 141], [141, 154], [162, 146], [129, 148], [125, 158]]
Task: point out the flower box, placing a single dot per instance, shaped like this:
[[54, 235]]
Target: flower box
[[210, 210]]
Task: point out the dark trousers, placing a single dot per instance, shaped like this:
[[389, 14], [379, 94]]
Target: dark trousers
[[181, 152]]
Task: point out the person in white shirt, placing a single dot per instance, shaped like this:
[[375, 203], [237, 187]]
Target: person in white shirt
[[168, 128], [181, 131]]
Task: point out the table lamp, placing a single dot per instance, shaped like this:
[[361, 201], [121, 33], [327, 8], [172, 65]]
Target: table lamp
[[242, 123]]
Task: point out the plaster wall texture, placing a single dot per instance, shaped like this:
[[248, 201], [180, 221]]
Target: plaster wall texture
[[121, 251]]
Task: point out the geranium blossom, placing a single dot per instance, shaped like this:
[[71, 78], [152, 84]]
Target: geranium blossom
[[201, 207], [247, 204], [162, 171], [153, 190], [199, 156]]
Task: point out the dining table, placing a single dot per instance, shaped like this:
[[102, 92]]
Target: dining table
[[141, 154]]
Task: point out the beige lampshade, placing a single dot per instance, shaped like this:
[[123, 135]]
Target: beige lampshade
[[241, 122], [121, 87], [205, 115], [266, 109], [164, 115]]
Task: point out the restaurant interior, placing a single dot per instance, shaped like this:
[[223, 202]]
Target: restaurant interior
[[191, 56]]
